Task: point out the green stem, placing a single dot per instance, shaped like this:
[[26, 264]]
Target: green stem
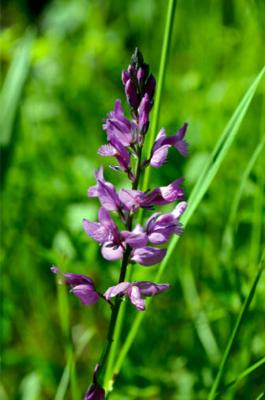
[[160, 84], [235, 331]]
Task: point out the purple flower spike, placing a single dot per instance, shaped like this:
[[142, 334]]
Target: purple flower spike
[[148, 255], [163, 143], [106, 192], [81, 286], [136, 291]]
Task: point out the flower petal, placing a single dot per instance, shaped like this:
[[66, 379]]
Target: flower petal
[[134, 295], [148, 255], [86, 294], [112, 252], [151, 289], [113, 291]]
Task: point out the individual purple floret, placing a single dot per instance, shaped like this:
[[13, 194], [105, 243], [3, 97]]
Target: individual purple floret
[[118, 127], [136, 291], [160, 228], [133, 199], [115, 149], [107, 234], [106, 192], [81, 286], [163, 143]]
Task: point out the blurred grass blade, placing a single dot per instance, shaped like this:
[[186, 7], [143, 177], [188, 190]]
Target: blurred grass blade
[[227, 241], [200, 320], [244, 374], [200, 189], [235, 331], [64, 382], [70, 372], [12, 87]]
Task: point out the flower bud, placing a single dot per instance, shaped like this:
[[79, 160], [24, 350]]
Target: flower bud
[[131, 94]]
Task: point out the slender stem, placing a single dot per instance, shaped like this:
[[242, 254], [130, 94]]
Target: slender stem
[[161, 78]]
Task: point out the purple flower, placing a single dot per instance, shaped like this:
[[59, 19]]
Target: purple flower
[[148, 255], [163, 143], [107, 234], [106, 192], [116, 149], [133, 199], [159, 228], [165, 194], [81, 286], [118, 127], [136, 291], [136, 238]]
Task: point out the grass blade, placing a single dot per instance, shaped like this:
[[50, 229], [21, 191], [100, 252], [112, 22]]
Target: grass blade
[[244, 374], [214, 164], [227, 241], [235, 331], [161, 78], [12, 87]]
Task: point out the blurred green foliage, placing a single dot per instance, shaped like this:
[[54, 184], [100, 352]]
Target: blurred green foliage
[[76, 50]]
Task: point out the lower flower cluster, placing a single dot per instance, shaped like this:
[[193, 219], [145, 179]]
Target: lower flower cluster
[[83, 287]]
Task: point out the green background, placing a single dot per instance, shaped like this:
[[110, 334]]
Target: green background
[[65, 76]]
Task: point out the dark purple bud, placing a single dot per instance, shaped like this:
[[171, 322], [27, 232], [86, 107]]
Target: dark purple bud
[[95, 391], [131, 94], [124, 77], [150, 86], [141, 75], [143, 112]]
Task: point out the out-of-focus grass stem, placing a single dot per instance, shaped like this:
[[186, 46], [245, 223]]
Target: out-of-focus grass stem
[[234, 334]]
